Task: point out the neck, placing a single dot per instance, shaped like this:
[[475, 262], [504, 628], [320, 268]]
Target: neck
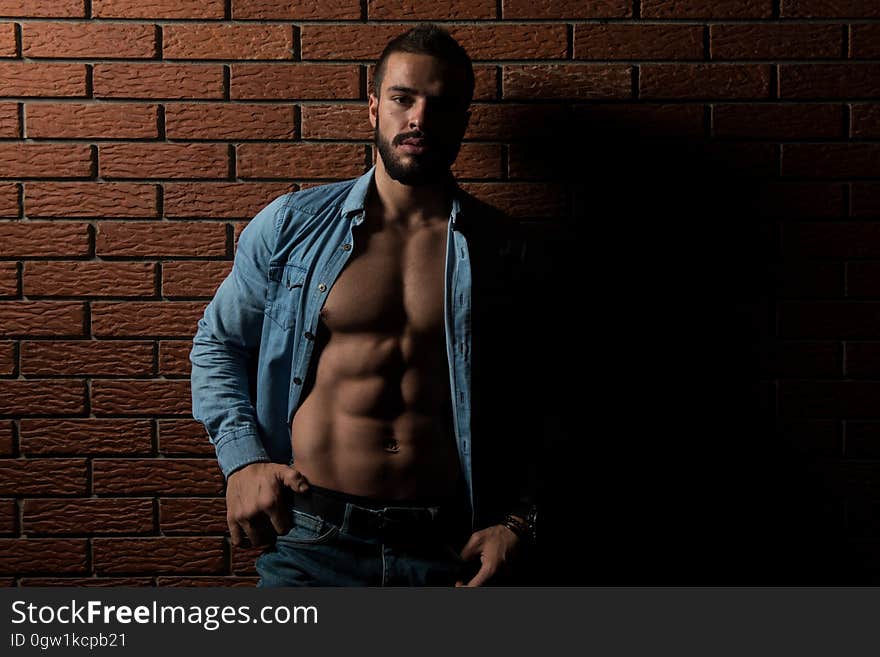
[[411, 205]]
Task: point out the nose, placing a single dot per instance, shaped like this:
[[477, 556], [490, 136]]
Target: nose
[[417, 114]]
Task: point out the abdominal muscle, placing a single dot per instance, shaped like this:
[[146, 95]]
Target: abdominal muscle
[[377, 421]]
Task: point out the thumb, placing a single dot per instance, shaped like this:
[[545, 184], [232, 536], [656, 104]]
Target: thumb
[[294, 479]]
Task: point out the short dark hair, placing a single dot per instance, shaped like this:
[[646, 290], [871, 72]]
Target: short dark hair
[[428, 39]]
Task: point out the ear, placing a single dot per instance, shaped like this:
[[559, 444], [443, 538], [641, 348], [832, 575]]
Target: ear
[[373, 109]]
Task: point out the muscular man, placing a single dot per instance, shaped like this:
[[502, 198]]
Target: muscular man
[[340, 368]]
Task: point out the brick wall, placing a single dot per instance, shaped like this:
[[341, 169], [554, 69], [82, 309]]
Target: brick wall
[[673, 161]]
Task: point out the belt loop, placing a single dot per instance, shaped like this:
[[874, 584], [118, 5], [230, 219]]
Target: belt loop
[[345, 517]]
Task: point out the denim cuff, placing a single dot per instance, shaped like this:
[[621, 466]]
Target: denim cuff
[[238, 448]]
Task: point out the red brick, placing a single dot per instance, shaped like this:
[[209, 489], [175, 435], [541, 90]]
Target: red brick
[[193, 515], [41, 318], [865, 199], [91, 582], [7, 364], [862, 360], [9, 517], [865, 121], [161, 476], [90, 199], [92, 121], [43, 9], [806, 360], [295, 10], [174, 357], [808, 279], [87, 358], [160, 239], [243, 560], [294, 81], [214, 582], [664, 120], [86, 437], [233, 122], [775, 41], [163, 160], [158, 8], [8, 279], [42, 79], [158, 555], [832, 239], [9, 124], [512, 122], [335, 122], [7, 443], [754, 160], [797, 200], [829, 9], [138, 397], [43, 476], [829, 399], [520, 199], [45, 160], [94, 516], [19, 556], [89, 279], [592, 41], [43, 238], [225, 41], [299, 161], [193, 279], [146, 318], [840, 320], [183, 437], [779, 121], [8, 48], [852, 80], [9, 200], [707, 9], [815, 437], [366, 41], [19, 397], [438, 10], [230, 200], [862, 279], [477, 161], [566, 9], [831, 160], [485, 83], [198, 81], [567, 81], [865, 41], [682, 81], [90, 40]]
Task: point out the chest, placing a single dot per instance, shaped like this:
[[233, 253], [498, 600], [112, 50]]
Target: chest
[[393, 279]]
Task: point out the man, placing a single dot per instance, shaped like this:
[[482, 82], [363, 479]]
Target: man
[[356, 348]]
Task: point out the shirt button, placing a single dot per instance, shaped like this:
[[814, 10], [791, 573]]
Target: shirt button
[[346, 247], [297, 380], [309, 335], [322, 287]]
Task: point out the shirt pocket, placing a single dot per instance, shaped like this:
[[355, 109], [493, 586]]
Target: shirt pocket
[[284, 293]]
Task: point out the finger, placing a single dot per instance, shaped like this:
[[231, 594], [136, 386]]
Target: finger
[[472, 548], [235, 532], [279, 516], [484, 574], [459, 584], [294, 479], [259, 531]]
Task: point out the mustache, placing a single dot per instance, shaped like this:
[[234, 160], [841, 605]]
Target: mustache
[[399, 139]]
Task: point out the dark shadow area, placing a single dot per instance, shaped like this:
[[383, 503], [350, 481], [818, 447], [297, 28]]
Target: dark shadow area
[[651, 311]]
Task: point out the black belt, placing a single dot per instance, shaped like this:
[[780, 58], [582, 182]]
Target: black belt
[[382, 521]]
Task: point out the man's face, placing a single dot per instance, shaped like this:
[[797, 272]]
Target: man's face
[[419, 118]]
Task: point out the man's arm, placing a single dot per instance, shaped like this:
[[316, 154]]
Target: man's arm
[[226, 342]]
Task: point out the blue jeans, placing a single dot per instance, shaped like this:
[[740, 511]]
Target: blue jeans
[[316, 552]]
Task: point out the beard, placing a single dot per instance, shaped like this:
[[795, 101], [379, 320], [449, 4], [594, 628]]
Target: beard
[[425, 168]]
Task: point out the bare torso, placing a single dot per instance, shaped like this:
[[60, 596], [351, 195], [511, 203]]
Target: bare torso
[[376, 419]]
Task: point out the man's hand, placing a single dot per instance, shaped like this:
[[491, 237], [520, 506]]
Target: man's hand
[[497, 547], [255, 501]]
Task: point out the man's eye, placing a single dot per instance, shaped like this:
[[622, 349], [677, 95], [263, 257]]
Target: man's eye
[[401, 100]]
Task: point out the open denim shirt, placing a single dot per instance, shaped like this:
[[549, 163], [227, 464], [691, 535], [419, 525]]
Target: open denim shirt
[[254, 346]]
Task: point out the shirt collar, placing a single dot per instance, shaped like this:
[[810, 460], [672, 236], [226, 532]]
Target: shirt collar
[[356, 201]]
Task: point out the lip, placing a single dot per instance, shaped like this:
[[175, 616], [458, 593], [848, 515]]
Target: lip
[[413, 146]]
